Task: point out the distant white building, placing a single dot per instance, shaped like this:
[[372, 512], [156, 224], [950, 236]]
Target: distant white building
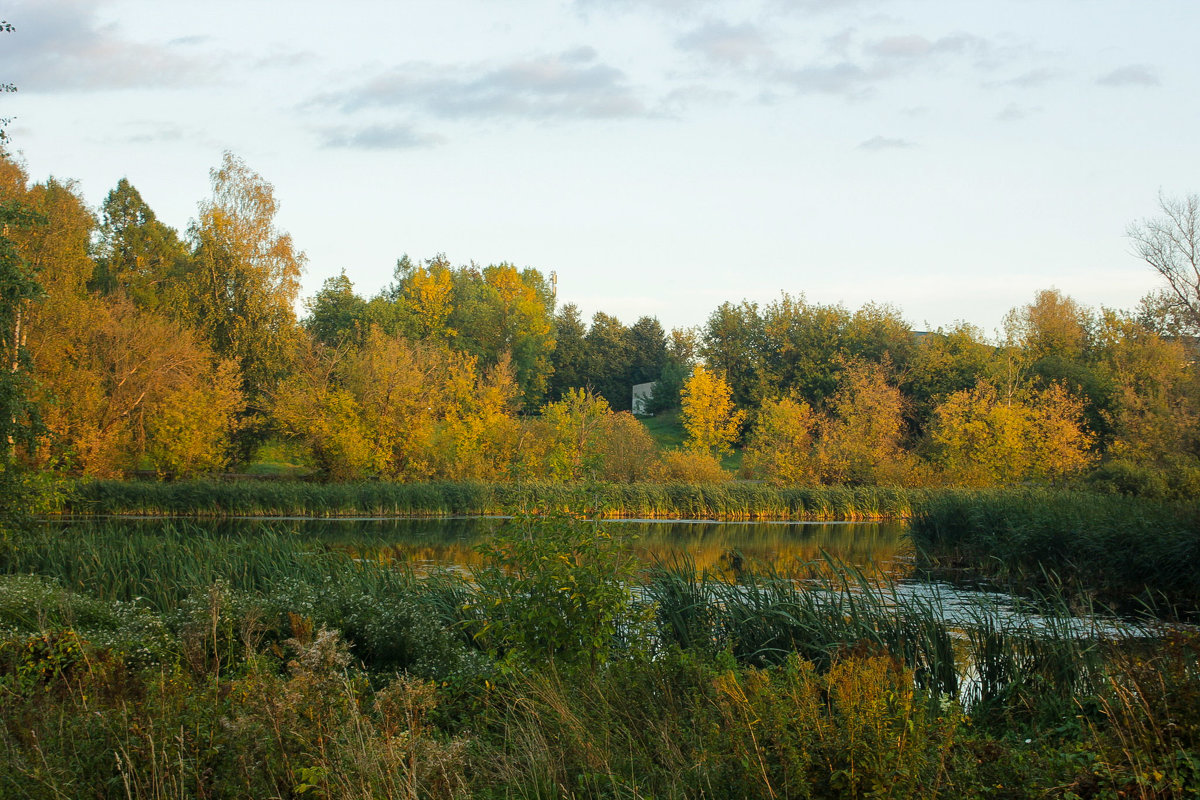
[[642, 392]]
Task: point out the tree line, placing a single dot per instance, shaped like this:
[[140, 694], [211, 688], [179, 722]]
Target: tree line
[[130, 347]]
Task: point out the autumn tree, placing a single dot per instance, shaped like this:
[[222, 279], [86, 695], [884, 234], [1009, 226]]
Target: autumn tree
[[980, 437], [861, 440], [709, 416], [628, 452], [479, 435], [1052, 341], [1156, 415], [130, 384], [244, 278], [572, 432], [781, 445]]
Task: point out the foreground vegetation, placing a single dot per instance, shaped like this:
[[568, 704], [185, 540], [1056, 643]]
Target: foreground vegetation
[[176, 663]]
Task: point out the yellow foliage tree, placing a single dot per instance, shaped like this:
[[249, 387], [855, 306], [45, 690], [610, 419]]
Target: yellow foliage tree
[[860, 443], [780, 447], [572, 434], [980, 438], [399, 409], [709, 417], [115, 385]]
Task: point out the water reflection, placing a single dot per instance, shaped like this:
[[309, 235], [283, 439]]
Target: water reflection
[[720, 546]]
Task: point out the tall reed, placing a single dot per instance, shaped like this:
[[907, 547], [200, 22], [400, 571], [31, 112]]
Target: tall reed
[[727, 501]]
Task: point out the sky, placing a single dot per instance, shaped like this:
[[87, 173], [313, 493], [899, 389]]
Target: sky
[[949, 157]]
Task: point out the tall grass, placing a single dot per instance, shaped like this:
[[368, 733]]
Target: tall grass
[[728, 501], [1126, 551]]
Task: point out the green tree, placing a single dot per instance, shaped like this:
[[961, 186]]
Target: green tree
[[648, 351], [609, 357], [733, 344], [556, 590], [682, 346], [709, 416], [20, 422], [570, 357], [336, 314], [244, 278], [137, 254], [945, 362]]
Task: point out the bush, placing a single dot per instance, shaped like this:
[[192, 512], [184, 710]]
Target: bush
[[691, 466]]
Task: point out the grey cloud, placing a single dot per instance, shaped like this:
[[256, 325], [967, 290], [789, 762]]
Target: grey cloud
[[59, 45], [1032, 79], [1130, 75], [914, 46], [688, 96], [882, 60], [842, 78], [876, 143], [1015, 113], [184, 41], [157, 135], [379, 137], [728, 44], [568, 85], [286, 60]]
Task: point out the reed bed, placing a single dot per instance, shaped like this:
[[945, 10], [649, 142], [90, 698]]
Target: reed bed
[[729, 501], [1128, 552]]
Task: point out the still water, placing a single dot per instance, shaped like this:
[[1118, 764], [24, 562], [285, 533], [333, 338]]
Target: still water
[[451, 542]]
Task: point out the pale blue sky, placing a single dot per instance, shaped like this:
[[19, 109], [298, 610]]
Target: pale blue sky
[[949, 156]]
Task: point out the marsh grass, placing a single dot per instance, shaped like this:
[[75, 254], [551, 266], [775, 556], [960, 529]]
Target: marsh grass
[[725, 501], [1130, 553]]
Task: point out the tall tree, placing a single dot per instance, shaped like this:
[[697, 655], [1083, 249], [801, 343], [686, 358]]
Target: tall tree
[[570, 357], [136, 254], [648, 346], [245, 277], [336, 314], [20, 422], [709, 416], [733, 344], [609, 358]]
